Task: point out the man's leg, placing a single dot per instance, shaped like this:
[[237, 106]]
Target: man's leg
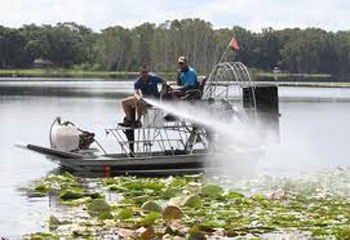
[[129, 105], [140, 110]]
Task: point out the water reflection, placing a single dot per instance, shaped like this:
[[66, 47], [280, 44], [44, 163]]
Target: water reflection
[[105, 89]]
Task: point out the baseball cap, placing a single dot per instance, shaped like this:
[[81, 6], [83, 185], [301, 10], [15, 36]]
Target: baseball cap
[[182, 59]]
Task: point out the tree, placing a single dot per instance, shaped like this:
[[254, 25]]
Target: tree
[[115, 48]]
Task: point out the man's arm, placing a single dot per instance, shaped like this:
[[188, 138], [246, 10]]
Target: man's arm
[[178, 78], [164, 83], [138, 94]]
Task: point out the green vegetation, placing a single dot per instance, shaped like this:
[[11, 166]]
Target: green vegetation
[[316, 207], [118, 49], [69, 189], [66, 73]]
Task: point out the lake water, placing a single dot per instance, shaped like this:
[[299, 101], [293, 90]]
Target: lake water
[[314, 135]]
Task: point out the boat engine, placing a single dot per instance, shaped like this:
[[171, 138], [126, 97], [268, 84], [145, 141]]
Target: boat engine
[[67, 137]]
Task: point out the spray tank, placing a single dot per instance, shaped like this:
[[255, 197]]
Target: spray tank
[[65, 136]]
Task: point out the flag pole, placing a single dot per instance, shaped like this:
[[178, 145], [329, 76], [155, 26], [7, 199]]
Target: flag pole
[[225, 52], [222, 56], [233, 44]]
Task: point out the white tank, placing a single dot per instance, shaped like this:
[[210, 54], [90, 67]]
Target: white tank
[[65, 137]]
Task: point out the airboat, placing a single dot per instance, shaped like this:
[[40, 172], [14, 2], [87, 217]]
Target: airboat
[[162, 145]]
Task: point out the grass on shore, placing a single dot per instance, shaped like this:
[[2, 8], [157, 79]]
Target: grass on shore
[[60, 72], [293, 75], [296, 79], [64, 73]]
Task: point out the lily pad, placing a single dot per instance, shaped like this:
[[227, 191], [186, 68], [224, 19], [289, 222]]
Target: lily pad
[[234, 195], [43, 188], [53, 222], [98, 206], [125, 214], [212, 191], [192, 201], [43, 236], [169, 193], [151, 206], [144, 233], [259, 197], [105, 215], [171, 213], [342, 232], [71, 194], [213, 224], [150, 218], [141, 199], [117, 188], [176, 201], [196, 232]]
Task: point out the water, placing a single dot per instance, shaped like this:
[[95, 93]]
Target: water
[[314, 133]]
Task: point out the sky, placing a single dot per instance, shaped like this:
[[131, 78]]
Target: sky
[[332, 15]]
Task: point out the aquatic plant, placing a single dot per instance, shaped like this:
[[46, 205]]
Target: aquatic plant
[[315, 207], [67, 187]]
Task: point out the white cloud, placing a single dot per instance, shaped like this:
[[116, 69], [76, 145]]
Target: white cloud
[[257, 14], [251, 14]]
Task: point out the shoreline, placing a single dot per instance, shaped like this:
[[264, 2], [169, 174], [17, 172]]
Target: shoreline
[[65, 73], [71, 79], [57, 75], [78, 73]]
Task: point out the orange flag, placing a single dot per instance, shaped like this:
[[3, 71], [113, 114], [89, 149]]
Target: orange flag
[[234, 44]]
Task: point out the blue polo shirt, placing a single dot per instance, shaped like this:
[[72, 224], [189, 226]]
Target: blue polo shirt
[[189, 79], [150, 87]]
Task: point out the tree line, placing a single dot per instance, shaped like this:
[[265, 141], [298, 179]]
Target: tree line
[[68, 45]]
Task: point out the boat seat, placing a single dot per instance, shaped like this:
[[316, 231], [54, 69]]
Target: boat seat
[[195, 94], [190, 95]]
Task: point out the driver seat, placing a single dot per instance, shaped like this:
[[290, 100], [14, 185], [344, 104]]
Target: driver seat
[[195, 94]]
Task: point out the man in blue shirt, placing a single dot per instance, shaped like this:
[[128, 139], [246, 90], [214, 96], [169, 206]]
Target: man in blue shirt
[[146, 85], [187, 77]]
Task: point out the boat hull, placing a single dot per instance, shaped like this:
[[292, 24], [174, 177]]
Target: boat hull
[[158, 164], [150, 165]]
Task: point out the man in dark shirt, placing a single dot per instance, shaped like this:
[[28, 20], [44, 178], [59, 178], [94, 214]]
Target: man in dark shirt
[[145, 86]]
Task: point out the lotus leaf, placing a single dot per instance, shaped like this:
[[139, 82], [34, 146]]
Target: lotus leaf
[[140, 199], [212, 191], [234, 195], [43, 236], [169, 193], [151, 206], [144, 233], [192, 201], [172, 212], [98, 206], [71, 194], [125, 214], [105, 215], [150, 218], [53, 222], [43, 188]]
